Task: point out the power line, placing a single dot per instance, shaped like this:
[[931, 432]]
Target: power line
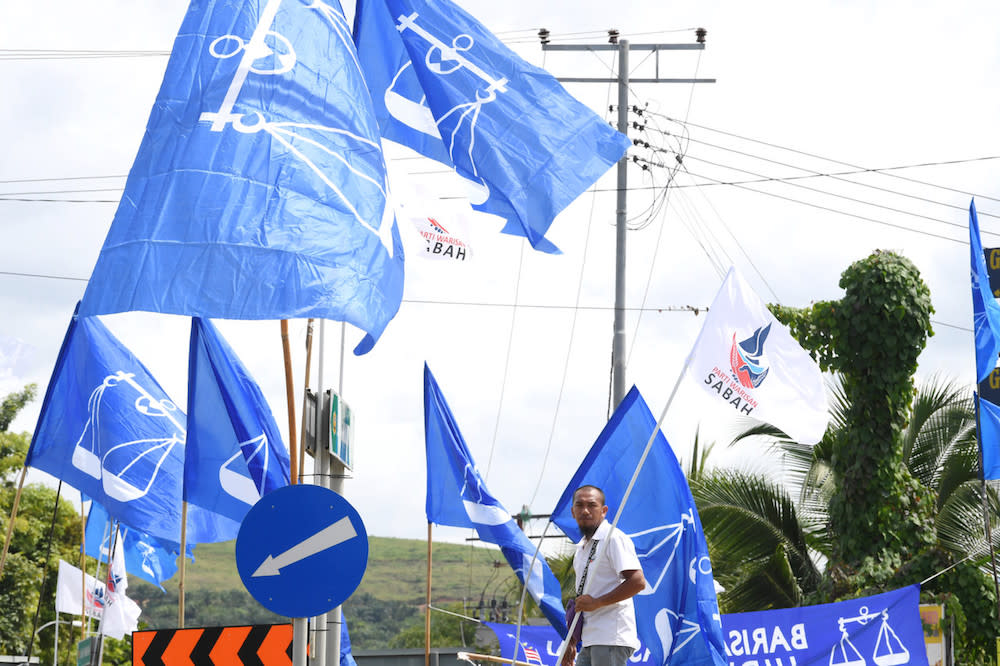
[[834, 176], [883, 171], [831, 210]]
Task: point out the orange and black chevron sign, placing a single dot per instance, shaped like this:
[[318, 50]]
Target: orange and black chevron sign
[[253, 645]]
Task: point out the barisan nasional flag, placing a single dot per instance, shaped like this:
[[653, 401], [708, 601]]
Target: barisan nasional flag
[[259, 189], [234, 449], [985, 309], [147, 557], [457, 496], [108, 429], [445, 86], [746, 359], [677, 615]]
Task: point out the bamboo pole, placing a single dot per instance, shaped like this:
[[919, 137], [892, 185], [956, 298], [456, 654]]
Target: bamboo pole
[[180, 583], [13, 516], [309, 347], [83, 575], [427, 611], [290, 397], [472, 656]]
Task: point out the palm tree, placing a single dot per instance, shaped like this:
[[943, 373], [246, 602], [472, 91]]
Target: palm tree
[[770, 540]]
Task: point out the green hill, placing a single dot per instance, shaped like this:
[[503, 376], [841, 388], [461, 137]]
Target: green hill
[[387, 601]]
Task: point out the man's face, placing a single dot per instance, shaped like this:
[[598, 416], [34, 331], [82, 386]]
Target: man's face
[[588, 510]]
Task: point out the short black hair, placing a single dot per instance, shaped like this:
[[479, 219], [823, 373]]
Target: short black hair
[[590, 487]]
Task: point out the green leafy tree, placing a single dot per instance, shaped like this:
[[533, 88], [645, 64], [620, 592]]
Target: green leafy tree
[[889, 497], [21, 584]]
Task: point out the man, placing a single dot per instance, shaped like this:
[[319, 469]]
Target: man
[[612, 576]]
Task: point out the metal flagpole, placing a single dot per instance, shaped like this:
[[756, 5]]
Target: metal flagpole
[[427, 612], [986, 513], [322, 462], [334, 618]]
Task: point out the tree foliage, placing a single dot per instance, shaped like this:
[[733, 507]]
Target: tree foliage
[[872, 338], [888, 498]]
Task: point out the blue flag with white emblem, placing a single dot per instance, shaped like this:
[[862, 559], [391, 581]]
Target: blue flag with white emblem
[[445, 86], [108, 429], [985, 309], [457, 496], [259, 188], [234, 449], [677, 614], [147, 557]]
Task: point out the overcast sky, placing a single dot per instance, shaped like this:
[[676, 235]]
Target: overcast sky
[[802, 89]]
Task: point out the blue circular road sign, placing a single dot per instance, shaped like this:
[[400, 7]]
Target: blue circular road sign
[[302, 550]]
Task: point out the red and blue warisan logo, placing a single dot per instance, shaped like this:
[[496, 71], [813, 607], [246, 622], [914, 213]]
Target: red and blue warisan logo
[[745, 358], [437, 226]]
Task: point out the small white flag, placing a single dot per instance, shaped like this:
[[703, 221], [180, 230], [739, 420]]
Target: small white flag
[[122, 613], [69, 591], [748, 360]]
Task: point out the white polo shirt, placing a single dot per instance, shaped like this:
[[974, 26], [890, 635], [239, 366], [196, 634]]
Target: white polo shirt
[[614, 624]]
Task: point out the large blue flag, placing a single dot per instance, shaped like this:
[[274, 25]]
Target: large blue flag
[[445, 86], [259, 188], [985, 309], [147, 557], [108, 429], [989, 437], [457, 496], [234, 449], [678, 613], [881, 630]]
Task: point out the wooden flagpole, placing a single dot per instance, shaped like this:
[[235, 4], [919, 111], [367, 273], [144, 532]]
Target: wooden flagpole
[[427, 611], [13, 516], [293, 450], [309, 347], [180, 583]]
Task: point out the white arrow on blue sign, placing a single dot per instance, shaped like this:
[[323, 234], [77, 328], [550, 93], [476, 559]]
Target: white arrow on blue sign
[[302, 550]]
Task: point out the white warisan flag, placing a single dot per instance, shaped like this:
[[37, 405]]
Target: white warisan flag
[[122, 613], [747, 360]]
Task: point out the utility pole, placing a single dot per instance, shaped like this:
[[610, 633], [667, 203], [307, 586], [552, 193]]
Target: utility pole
[[623, 47]]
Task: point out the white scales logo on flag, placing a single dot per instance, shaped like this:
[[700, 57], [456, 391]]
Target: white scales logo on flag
[[443, 59], [117, 468], [673, 533], [286, 133], [888, 650]]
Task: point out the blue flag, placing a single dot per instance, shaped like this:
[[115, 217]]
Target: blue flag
[[989, 437], [985, 309], [259, 188], [108, 429], [147, 557], [346, 656], [445, 86], [457, 496], [234, 449], [678, 613], [880, 630]]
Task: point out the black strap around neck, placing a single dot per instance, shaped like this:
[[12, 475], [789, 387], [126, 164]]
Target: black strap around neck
[[586, 568]]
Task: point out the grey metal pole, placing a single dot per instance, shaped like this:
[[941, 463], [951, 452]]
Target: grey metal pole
[[618, 344], [336, 484], [300, 641], [322, 465]]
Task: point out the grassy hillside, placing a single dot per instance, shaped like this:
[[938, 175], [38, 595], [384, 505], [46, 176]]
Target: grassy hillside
[[387, 601]]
